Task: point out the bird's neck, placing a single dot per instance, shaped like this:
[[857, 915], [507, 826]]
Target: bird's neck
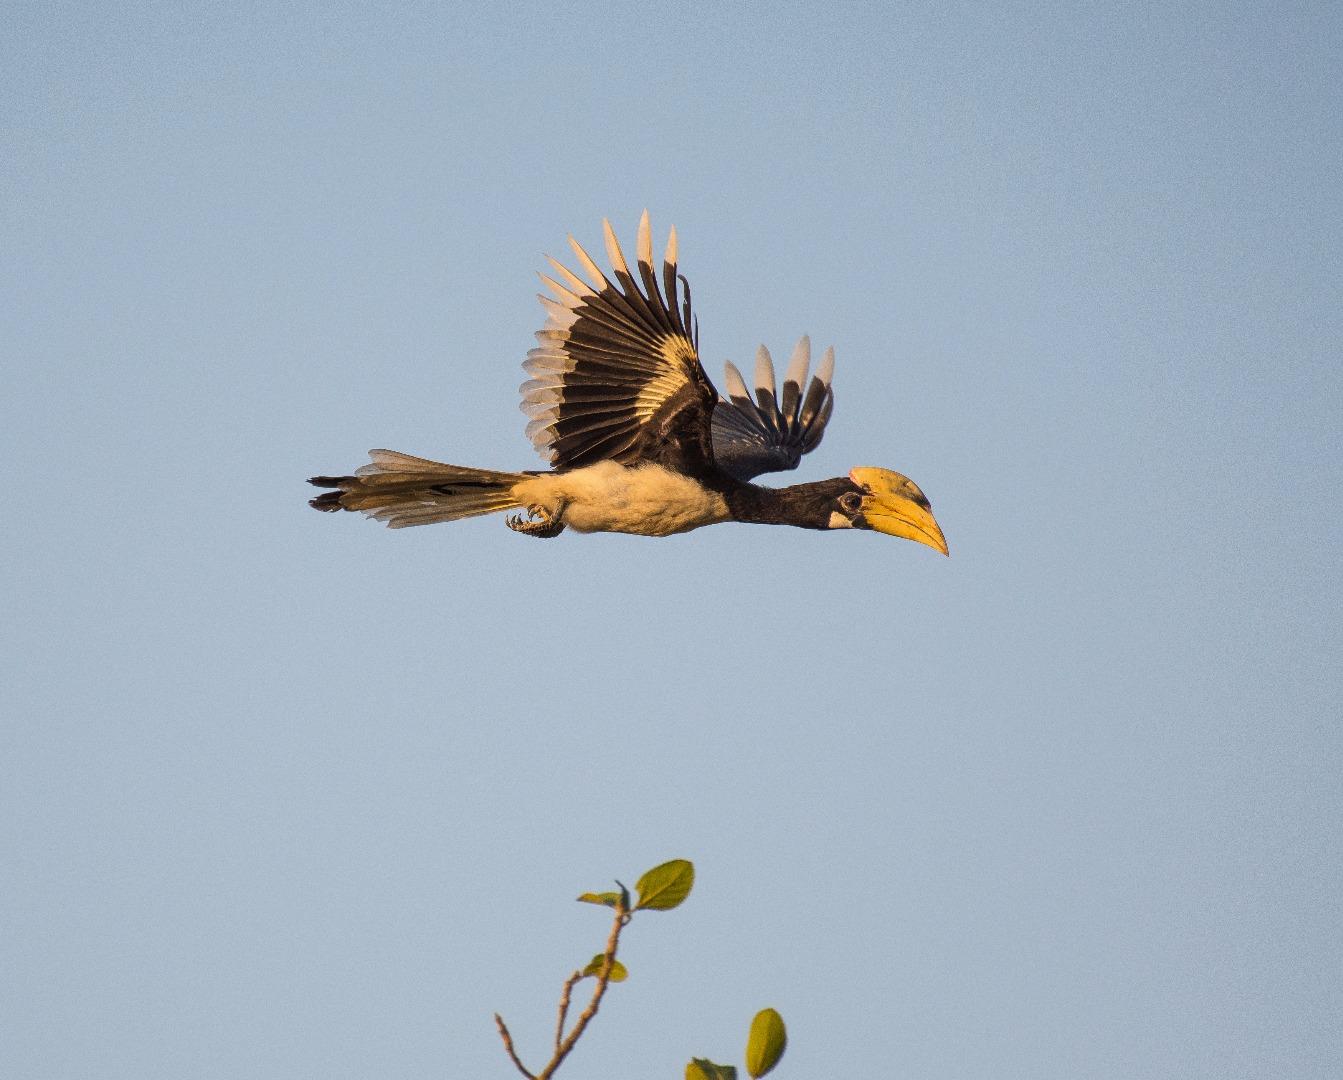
[[808, 506]]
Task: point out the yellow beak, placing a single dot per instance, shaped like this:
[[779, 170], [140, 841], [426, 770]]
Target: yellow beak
[[894, 505]]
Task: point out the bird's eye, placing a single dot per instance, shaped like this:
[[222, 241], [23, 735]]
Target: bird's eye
[[850, 502]]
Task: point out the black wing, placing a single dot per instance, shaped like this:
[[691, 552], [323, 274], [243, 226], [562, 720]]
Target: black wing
[[754, 437], [616, 374]]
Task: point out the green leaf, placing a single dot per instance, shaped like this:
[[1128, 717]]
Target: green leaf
[[766, 1043], [610, 899], [704, 1069], [619, 973], [665, 886]]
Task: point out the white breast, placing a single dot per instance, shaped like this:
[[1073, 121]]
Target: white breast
[[644, 499]]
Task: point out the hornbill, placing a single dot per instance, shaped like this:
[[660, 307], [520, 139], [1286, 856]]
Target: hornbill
[[638, 439]]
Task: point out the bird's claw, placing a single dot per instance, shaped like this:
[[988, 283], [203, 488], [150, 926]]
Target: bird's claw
[[539, 522]]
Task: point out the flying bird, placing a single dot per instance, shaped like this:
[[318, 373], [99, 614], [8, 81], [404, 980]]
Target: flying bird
[[637, 438]]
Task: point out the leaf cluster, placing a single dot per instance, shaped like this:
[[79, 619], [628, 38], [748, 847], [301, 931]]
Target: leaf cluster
[[660, 889]]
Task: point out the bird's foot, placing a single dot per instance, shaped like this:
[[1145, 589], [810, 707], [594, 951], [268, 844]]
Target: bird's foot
[[539, 522]]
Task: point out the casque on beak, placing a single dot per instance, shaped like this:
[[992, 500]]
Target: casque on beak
[[894, 505]]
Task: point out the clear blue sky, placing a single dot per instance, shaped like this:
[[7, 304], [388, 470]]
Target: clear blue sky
[[288, 795]]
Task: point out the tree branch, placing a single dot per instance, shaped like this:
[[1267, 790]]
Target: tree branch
[[508, 1045]]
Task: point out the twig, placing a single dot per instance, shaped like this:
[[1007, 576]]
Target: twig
[[508, 1045], [603, 981], [569, 985]]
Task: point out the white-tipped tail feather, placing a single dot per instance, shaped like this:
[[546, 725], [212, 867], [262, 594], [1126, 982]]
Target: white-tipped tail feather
[[403, 490]]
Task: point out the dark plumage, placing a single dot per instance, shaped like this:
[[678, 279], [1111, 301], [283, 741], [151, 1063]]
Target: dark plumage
[[754, 437], [809, 506]]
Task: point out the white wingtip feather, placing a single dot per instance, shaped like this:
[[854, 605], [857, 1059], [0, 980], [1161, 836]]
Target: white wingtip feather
[[736, 385], [576, 283], [827, 369], [797, 366], [764, 370], [645, 242], [567, 298], [561, 317], [593, 271], [670, 255], [613, 251]]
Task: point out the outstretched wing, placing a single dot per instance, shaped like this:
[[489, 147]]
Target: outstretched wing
[[616, 374], [754, 437]]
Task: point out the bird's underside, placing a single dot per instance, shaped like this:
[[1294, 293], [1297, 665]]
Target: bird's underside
[[638, 439]]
